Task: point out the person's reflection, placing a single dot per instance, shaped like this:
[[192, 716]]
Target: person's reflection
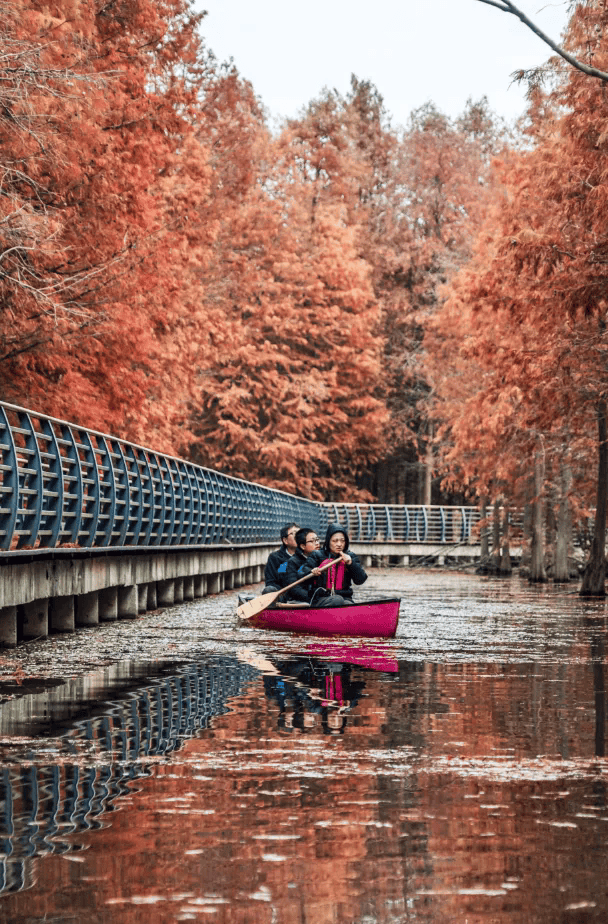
[[313, 694]]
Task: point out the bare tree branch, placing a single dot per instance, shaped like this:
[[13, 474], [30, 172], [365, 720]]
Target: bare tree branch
[[508, 7]]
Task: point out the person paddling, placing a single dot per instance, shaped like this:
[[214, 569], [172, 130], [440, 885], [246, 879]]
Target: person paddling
[[334, 586], [307, 542], [275, 575]]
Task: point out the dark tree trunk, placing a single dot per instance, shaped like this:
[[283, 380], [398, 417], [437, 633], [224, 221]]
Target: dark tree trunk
[[428, 467], [538, 574], [485, 544], [506, 569], [495, 557], [594, 578], [564, 528]]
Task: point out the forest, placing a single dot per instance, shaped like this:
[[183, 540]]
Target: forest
[[339, 308]]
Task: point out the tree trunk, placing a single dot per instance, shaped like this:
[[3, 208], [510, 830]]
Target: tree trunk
[[483, 535], [594, 578], [421, 482], [495, 557], [550, 522], [538, 575], [505, 567], [428, 468], [524, 561], [428, 474], [564, 528]]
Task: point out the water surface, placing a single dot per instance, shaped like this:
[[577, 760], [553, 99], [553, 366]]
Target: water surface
[[179, 768]]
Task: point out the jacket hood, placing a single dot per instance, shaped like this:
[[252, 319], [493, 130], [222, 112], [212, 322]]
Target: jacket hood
[[331, 530]]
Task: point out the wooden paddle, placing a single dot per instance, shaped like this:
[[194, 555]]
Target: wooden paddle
[[253, 607]]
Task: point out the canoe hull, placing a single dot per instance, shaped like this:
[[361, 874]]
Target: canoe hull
[[370, 619]]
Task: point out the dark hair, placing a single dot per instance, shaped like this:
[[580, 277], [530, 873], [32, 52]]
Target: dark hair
[[302, 534], [285, 530], [332, 529]]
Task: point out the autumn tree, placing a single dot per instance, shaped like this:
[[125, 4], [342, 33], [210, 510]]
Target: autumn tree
[[35, 300], [507, 6], [175, 273], [288, 392], [441, 181], [96, 166], [538, 302]]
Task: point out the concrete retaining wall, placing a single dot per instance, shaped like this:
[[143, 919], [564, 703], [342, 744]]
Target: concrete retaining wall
[[59, 590]]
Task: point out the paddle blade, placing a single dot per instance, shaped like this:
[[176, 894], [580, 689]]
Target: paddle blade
[[255, 606]]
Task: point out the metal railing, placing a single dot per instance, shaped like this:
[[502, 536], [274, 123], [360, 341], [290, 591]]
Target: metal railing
[[408, 522], [63, 485]]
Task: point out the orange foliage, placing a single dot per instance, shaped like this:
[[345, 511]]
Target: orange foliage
[[92, 283], [289, 393], [176, 275], [518, 355]]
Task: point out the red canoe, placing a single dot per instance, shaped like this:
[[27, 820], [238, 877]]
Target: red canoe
[[371, 618]]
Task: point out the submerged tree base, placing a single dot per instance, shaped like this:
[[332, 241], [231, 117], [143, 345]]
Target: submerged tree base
[[494, 566], [594, 577]]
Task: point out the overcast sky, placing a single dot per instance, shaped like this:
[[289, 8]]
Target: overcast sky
[[412, 50]]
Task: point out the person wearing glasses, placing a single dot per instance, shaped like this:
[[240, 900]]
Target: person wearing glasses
[[274, 578], [306, 543]]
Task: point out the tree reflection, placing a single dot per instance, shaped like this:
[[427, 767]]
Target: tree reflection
[[597, 655], [597, 648]]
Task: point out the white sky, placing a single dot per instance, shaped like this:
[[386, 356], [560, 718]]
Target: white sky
[[412, 50]]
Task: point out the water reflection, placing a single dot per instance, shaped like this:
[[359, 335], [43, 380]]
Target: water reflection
[[44, 804], [322, 782], [314, 693], [597, 652]]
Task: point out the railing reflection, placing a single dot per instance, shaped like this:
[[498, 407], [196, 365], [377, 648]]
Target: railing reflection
[[42, 807]]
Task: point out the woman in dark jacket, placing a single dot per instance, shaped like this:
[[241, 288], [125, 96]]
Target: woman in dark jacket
[[334, 586]]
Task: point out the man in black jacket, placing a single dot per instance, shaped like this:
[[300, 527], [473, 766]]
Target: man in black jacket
[[273, 580], [307, 541]]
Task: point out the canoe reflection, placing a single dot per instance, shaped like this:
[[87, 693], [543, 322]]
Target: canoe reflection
[[313, 694], [320, 693]]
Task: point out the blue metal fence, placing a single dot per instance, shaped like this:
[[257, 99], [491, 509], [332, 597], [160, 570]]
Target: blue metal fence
[[62, 485], [413, 523]]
